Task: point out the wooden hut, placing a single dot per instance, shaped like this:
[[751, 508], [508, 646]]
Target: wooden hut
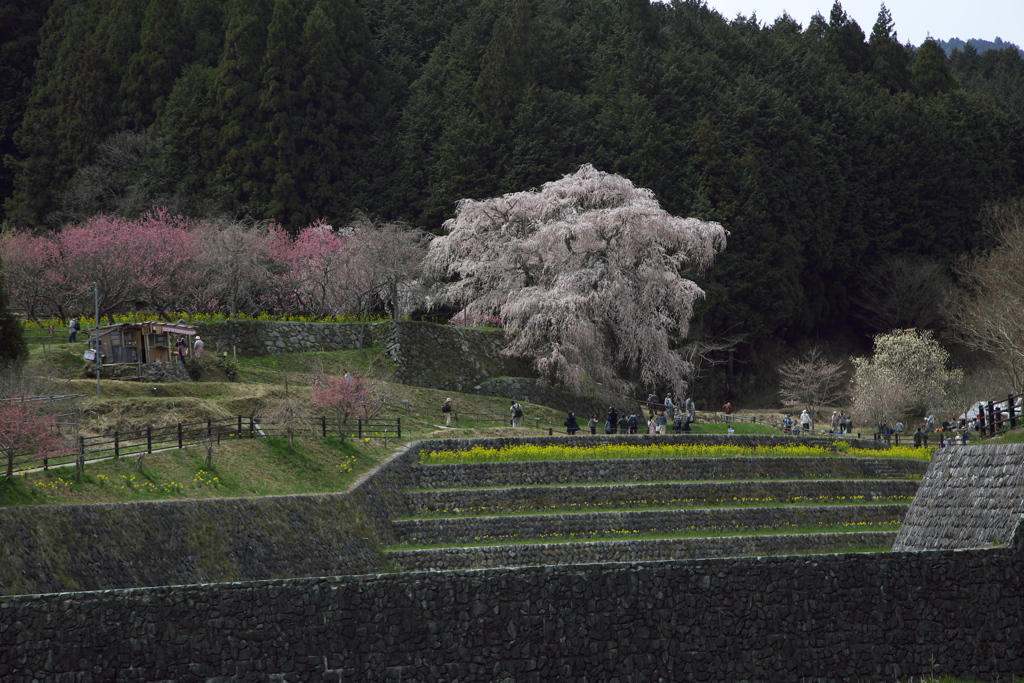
[[139, 343]]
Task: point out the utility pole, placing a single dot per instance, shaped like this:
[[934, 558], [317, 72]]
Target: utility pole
[[99, 356]]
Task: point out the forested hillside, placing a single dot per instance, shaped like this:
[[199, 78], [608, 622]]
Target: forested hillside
[[820, 148]]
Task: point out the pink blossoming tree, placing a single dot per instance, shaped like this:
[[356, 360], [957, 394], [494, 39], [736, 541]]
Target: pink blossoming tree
[[585, 274], [25, 432], [346, 397]]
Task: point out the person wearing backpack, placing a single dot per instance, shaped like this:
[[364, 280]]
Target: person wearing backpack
[[73, 328], [517, 414], [446, 410]]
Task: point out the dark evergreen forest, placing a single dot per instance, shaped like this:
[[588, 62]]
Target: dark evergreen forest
[[822, 149]]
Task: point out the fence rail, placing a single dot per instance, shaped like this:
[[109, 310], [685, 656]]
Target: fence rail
[[182, 435]]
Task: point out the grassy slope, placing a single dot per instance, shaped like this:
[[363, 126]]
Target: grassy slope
[[250, 467]]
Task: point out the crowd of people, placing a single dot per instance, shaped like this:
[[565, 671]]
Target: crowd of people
[[663, 413], [660, 414]]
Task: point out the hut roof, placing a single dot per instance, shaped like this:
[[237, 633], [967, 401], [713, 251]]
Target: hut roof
[[971, 497]]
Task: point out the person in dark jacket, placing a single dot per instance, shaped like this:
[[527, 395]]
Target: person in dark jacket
[[633, 423], [571, 426], [613, 419]]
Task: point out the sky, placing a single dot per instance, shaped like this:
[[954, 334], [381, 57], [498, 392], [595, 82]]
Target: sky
[[915, 20]]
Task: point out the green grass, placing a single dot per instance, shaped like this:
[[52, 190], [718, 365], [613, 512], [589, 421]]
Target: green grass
[[241, 468], [739, 428], [685, 504], [1016, 436], [652, 536]]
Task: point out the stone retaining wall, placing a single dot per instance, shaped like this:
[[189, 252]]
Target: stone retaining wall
[[624, 522], [742, 440], [62, 548], [255, 337], [662, 469], [452, 502], [89, 547], [864, 617], [634, 551]]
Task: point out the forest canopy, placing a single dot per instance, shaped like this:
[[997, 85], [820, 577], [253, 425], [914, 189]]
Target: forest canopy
[[819, 146]]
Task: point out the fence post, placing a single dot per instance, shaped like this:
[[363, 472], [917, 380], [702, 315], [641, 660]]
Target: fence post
[[991, 418], [399, 428], [209, 429], [252, 427], [1013, 416], [149, 439], [117, 453], [323, 426], [239, 426], [360, 428], [179, 435], [80, 460]]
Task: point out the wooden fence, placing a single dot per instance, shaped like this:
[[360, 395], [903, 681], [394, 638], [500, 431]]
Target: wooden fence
[[182, 435]]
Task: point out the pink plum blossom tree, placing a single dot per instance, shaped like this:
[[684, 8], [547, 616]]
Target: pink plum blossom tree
[[585, 274], [312, 270], [346, 397], [143, 260], [24, 431]]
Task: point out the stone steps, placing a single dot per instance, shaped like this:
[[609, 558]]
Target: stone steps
[[512, 528], [482, 557]]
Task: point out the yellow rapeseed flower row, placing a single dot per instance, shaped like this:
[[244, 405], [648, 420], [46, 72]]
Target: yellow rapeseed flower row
[[528, 453]]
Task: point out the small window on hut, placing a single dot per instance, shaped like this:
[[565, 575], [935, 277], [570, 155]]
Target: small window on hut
[[157, 340]]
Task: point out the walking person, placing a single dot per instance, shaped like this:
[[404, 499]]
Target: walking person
[[805, 421], [199, 346], [571, 426], [691, 410], [593, 424], [182, 348], [73, 328], [517, 414], [669, 407], [446, 410], [633, 422]]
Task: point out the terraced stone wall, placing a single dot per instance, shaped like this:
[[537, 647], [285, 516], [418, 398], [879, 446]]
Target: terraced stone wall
[[91, 547], [450, 357], [256, 337], [582, 524], [662, 469], [95, 547], [874, 617]]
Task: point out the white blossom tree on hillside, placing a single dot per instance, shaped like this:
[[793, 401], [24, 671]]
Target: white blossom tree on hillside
[[907, 376], [585, 273]]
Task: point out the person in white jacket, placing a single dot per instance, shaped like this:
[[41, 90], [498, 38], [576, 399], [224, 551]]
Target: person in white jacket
[[805, 421]]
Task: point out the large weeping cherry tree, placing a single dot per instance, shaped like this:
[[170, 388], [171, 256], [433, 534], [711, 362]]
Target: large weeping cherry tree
[[585, 273]]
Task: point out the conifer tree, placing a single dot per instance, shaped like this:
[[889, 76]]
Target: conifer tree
[[280, 113], [890, 63], [930, 74], [337, 77], [158, 63], [236, 96]]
